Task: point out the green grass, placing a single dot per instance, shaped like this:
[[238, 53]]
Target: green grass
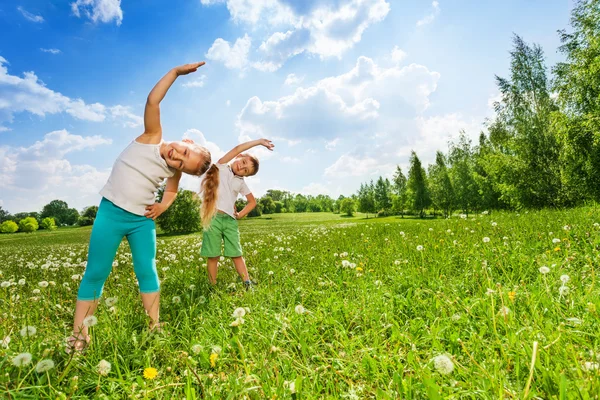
[[377, 317]]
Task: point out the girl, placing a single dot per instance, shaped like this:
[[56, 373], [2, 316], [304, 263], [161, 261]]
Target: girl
[[128, 209], [220, 189]]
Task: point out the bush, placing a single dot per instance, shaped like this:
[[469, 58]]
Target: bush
[[347, 206], [28, 225], [85, 221], [9, 227], [184, 214], [48, 223], [384, 213]]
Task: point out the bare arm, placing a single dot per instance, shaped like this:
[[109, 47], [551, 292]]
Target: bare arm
[[152, 111], [169, 195], [240, 148], [249, 206]]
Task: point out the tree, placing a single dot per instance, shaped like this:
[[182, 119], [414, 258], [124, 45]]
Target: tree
[[184, 214], [4, 215], [9, 226], [90, 212], [28, 225], [348, 207], [366, 199], [382, 195], [442, 192], [300, 203], [279, 208], [417, 186], [267, 205], [48, 223], [256, 211], [399, 188], [577, 84], [57, 209], [461, 174]]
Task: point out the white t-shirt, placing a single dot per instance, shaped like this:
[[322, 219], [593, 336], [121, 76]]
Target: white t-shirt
[[230, 185], [136, 176]]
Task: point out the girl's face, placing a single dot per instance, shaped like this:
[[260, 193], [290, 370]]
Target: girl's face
[[183, 157]]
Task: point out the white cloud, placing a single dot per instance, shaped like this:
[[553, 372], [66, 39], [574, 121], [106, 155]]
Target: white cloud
[[398, 55], [29, 16], [234, 57], [315, 189], [51, 51], [293, 79], [228, 103], [357, 102], [324, 28], [195, 83], [124, 114], [290, 160], [39, 173], [430, 17], [355, 166], [331, 145], [99, 10], [29, 94]]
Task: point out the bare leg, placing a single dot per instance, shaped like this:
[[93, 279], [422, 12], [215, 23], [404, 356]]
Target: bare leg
[[240, 267], [80, 336], [212, 266], [151, 303]]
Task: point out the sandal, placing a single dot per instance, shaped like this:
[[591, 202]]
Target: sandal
[[156, 327], [77, 343]]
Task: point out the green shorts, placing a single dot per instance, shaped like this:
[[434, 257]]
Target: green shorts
[[223, 227]]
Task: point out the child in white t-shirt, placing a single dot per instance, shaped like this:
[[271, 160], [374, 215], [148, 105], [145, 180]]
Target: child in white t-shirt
[[220, 188]]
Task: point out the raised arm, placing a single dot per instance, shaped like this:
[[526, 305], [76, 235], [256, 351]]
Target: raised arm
[[152, 111], [240, 148]]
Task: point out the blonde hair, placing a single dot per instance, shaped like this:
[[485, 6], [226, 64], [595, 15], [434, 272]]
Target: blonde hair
[[210, 190], [203, 151]]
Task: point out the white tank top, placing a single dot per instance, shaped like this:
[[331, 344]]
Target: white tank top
[[135, 177]]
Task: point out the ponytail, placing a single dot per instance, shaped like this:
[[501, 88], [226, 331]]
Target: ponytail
[[210, 189]]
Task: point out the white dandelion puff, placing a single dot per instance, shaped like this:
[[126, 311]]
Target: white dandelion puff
[[28, 331], [44, 365], [239, 312], [196, 349], [420, 248], [110, 301], [556, 240], [21, 360], [565, 278], [103, 367], [486, 239], [90, 321], [176, 299], [504, 311], [5, 342], [544, 270], [300, 309], [443, 364]]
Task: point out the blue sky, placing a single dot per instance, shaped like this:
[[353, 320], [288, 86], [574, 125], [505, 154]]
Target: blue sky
[[345, 88]]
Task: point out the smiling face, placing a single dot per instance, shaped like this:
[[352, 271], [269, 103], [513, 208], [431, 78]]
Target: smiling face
[[188, 158], [244, 165]]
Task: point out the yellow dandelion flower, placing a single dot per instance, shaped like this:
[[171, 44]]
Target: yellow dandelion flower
[[511, 295], [213, 359], [557, 249], [359, 269], [150, 373]]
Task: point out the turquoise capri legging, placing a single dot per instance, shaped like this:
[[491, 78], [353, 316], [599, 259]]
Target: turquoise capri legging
[[110, 226]]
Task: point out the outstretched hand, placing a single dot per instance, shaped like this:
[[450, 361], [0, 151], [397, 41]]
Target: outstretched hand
[[267, 143], [155, 210], [188, 68]]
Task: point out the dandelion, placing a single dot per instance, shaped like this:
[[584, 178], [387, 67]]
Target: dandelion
[[28, 331], [239, 312], [237, 322], [21, 360], [216, 349], [150, 373], [192, 287], [176, 299], [36, 291], [512, 295], [201, 299], [196, 349], [300, 309], [90, 321], [110, 301], [44, 365], [574, 321], [5, 284], [486, 239], [590, 366], [564, 279], [556, 240], [292, 271], [21, 282], [358, 269], [566, 228], [494, 224], [270, 273], [76, 277], [443, 364], [397, 262], [213, 359], [544, 270], [504, 311], [345, 263], [563, 290], [103, 367], [419, 248], [490, 292], [5, 342]]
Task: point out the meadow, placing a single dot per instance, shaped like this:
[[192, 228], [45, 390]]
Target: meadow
[[493, 305]]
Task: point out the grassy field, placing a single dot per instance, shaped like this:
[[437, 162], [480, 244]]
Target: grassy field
[[493, 306]]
